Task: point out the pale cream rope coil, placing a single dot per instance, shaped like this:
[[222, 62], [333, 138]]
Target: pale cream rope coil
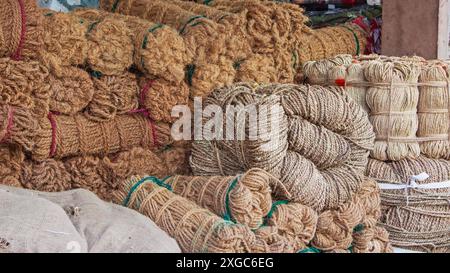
[[416, 218], [195, 229], [243, 199], [311, 120]]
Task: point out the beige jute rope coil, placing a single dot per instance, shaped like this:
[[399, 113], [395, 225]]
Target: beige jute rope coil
[[416, 216], [318, 148]]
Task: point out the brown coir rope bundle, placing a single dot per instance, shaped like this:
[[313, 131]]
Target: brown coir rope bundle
[[159, 50], [328, 42], [62, 136], [70, 92], [113, 95], [25, 85], [65, 41], [317, 141], [416, 210], [242, 199], [11, 160], [98, 174], [21, 29], [268, 25], [195, 229], [17, 126], [237, 46], [202, 36], [272, 29], [204, 40], [159, 96]]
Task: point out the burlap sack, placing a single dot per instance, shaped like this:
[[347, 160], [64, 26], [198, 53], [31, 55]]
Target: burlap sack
[[75, 221]]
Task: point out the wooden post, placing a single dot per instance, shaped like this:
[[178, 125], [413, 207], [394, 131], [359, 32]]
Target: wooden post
[[415, 27]]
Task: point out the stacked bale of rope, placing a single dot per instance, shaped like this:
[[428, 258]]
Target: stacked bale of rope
[[18, 127], [203, 37], [159, 51], [433, 110], [393, 98], [71, 92], [416, 210], [25, 84], [11, 159], [305, 122], [242, 199], [341, 70], [21, 36], [273, 30], [99, 174], [328, 42], [237, 46], [62, 136], [195, 229], [294, 221]]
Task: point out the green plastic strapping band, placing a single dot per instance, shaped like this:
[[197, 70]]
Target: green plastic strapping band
[[310, 250], [227, 215], [350, 249], [273, 208], [294, 59], [190, 70], [150, 30], [207, 2], [237, 64], [358, 228], [358, 49], [114, 6], [92, 26], [189, 21], [144, 180], [96, 74], [49, 14]]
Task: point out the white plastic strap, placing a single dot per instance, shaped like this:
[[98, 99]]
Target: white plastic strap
[[412, 184]]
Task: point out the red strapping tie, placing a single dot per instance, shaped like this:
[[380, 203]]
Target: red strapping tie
[[340, 82], [144, 92], [150, 121], [17, 56], [52, 120], [9, 125]]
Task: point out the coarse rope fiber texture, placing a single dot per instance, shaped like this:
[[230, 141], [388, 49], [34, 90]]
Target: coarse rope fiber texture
[[316, 140], [158, 50], [98, 174], [18, 127], [406, 97], [11, 160], [194, 228], [434, 109], [70, 92], [242, 199], [237, 45], [417, 219], [25, 84], [21, 31], [62, 136], [330, 41], [353, 226], [204, 39], [339, 69], [202, 36]]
